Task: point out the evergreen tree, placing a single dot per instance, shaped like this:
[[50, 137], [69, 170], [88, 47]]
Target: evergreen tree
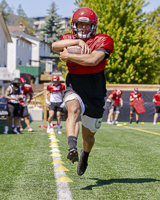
[[4, 9], [132, 60], [12, 17], [53, 27], [22, 18]]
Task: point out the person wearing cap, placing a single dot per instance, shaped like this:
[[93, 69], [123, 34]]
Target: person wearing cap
[[135, 95], [115, 103], [56, 90], [13, 95], [156, 100]]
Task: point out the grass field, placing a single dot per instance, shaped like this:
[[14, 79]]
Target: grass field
[[124, 164]]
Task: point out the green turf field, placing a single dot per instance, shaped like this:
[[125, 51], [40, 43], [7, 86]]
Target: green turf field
[[124, 164]]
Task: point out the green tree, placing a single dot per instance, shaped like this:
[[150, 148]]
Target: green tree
[[22, 18], [4, 9], [132, 60], [154, 23], [52, 27]]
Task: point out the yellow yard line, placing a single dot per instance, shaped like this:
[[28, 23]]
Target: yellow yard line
[[142, 130]]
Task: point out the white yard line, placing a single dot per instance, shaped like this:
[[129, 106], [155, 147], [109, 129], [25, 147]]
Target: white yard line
[[63, 189]]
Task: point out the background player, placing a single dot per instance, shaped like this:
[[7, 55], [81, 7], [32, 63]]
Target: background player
[[12, 95], [86, 84], [27, 92], [116, 103], [135, 95], [156, 100], [56, 90]]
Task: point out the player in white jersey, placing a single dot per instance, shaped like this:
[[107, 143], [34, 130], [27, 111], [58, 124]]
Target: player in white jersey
[[12, 94], [55, 90]]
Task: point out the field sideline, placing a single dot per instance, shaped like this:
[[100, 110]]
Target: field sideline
[[123, 165]]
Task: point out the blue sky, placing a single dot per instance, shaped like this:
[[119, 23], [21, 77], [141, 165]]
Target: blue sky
[[37, 8]]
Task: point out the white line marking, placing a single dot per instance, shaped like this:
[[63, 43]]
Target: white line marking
[[63, 189]]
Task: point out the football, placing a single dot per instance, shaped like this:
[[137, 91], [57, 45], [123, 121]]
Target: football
[[74, 49], [20, 97]]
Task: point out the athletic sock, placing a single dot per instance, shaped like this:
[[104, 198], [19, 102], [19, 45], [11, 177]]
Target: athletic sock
[[85, 156], [58, 128], [72, 142], [130, 121]]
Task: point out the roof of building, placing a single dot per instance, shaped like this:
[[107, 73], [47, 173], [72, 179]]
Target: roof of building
[[5, 29], [18, 28]]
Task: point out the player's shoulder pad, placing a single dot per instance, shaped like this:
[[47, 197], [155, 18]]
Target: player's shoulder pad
[[67, 36], [62, 87], [49, 86], [105, 42]]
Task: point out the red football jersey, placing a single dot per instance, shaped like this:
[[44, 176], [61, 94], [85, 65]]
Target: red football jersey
[[25, 90], [99, 41], [55, 88], [56, 92], [116, 98], [157, 98], [135, 96]]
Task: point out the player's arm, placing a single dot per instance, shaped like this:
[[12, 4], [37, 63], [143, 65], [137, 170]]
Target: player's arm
[[121, 101], [83, 59], [7, 95], [111, 97], [30, 97], [130, 98], [46, 98], [60, 45], [154, 100]]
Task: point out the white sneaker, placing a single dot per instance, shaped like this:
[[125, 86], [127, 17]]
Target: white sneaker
[[30, 130], [6, 130], [14, 131], [110, 123], [48, 129], [21, 129], [59, 132], [154, 123]]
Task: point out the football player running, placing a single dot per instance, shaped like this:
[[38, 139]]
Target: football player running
[[135, 95], [85, 83], [56, 91]]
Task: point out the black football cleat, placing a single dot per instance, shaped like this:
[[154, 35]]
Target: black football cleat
[[82, 165], [73, 155]]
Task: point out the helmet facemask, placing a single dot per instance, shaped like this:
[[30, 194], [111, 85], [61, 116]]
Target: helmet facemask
[[83, 33]]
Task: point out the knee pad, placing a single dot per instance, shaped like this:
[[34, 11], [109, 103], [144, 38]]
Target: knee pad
[[72, 96], [93, 124]]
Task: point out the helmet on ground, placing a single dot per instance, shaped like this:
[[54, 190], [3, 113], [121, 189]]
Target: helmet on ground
[[85, 15], [135, 89], [158, 90], [22, 80], [55, 77]]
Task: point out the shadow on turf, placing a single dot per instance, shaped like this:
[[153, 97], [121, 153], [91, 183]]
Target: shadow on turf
[[101, 182]]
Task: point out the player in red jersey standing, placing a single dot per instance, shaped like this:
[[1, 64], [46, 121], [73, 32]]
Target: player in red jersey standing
[[26, 91], [156, 100], [135, 95], [56, 91], [86, 84], [115, 103]]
